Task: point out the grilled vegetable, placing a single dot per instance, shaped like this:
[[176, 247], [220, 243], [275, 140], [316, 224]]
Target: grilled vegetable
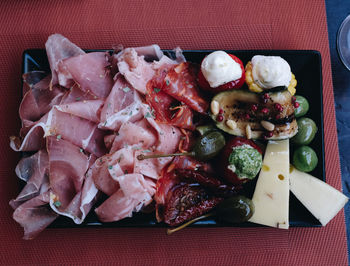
[[255, 115]]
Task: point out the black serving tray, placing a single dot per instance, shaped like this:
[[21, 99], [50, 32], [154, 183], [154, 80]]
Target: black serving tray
[[307, 67]]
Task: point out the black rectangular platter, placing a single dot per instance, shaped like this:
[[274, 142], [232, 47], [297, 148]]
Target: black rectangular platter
[[307, 67]]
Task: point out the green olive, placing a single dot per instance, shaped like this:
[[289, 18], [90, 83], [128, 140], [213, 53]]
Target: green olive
[[209, 145], [237, 209], [305, 159], [303, 106], [306, 131], [205, 129]]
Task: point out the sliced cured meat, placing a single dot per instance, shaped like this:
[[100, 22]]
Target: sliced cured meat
[[180, 83], [35, 215], [134, 193], [31, 78], [140, 133], [136, 70], [151, 168], [88, 109], [75, 94], [90, 71], [39, 99], [122, 105], [150, 53], [33, 170], [72, 189], [81, 204], [110, 166], [167, 109], [57, 49], [68, 166], [32, 141], [79, 131]]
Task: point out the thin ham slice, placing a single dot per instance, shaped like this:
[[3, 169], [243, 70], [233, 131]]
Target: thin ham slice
[[31, 78], [134, 193], [57, 49], [88, 109], [122, 105], [137, 70], [33, 170], [90, 71], [110, 166], [75, 94], [72, 189], [38, 100], [68, 166], [35, 215], [79, 131]]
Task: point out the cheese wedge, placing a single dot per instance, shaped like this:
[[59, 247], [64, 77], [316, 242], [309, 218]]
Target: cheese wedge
[[322, 200], [271, 195]]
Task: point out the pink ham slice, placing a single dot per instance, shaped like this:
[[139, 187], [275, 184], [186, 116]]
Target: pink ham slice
[[134, 193], [90, 71], [110, 166], [33, 170], [122, 105], [75, 94], [35, 215], [137, 70], [147, 134], [88, 109], [68, 166], [57, 49], [79, 131], [38, 100], [72, 189]]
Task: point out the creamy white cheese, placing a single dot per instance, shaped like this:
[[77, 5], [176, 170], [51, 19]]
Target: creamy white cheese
[[270, 71], [219, 68]]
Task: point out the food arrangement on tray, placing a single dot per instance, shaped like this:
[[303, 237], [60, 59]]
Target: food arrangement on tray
[[133, 130]]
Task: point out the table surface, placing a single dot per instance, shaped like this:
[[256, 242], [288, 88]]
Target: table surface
[[197, 24], [337, 11]]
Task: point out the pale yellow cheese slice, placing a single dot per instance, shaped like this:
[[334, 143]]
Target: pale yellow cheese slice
[[271, 195], [321, 199]]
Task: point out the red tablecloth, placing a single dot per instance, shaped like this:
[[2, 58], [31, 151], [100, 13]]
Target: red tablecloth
[[196, 24]]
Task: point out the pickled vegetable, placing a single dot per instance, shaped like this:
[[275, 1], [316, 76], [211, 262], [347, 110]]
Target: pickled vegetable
[[306, 131], [305, 159], [237, 209], [303, 107], [206, 147]]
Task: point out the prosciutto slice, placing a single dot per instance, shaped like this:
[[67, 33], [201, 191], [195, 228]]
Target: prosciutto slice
[[134, 193], [79, 131], [90, 71], [137, 70], [72, 193], [122, 105], [57, 49], [33, 170], [38, 100], [35, 215]]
